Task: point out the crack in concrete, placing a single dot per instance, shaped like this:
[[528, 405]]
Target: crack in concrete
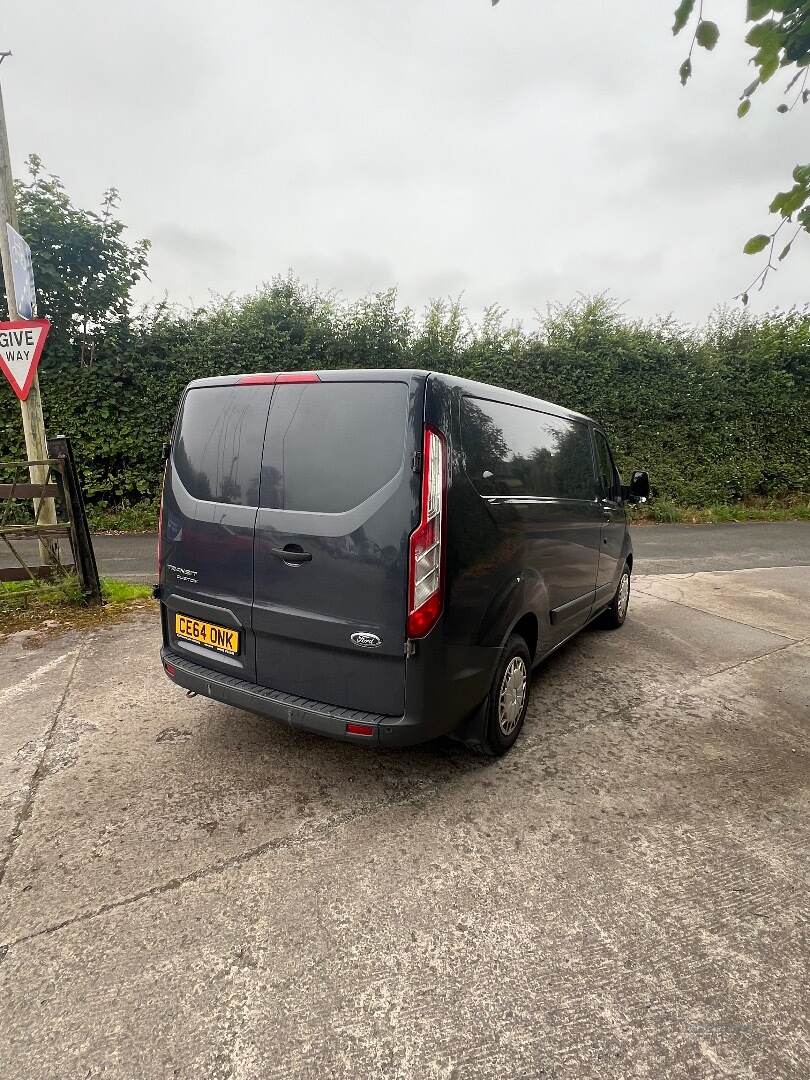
[[279, 843], [38, 775], [750, 660], [714, 615], [303, 837]]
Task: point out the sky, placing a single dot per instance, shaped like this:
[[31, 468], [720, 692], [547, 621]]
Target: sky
[[519, 155]]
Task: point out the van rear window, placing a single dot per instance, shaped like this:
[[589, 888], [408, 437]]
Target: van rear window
[[331, 445], [218, 449], [512, 451]]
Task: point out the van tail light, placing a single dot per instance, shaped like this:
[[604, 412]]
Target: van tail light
[[426, 562]]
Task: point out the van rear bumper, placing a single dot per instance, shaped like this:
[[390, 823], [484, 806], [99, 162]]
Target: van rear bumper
[[303, 713]]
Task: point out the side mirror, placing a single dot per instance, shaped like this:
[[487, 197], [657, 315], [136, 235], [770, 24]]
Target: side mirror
[[638, 490], [165, 450]]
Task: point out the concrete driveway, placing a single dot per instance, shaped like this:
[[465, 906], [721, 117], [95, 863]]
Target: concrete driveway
[[190, 891]]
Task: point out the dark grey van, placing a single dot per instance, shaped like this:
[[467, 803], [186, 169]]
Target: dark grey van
[[383, 556]]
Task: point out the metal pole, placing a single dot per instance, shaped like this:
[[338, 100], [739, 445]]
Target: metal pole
[[36, 444]]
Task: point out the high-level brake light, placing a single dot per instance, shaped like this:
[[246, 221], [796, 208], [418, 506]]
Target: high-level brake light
[[426, 562], [278, 377]]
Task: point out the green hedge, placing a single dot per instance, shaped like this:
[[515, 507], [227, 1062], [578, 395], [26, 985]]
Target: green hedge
[[716, 415]]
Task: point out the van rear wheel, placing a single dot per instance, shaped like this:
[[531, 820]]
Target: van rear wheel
[[508, 697]]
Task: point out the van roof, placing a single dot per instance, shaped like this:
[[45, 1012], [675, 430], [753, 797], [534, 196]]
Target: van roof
[[469, 386]]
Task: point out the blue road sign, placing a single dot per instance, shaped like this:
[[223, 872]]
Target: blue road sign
[[22, 270]]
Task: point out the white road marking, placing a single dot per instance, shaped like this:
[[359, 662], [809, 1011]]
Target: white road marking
[[30, 681], [736, 570]]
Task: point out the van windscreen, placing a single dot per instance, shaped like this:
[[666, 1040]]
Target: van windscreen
[[331, 445]]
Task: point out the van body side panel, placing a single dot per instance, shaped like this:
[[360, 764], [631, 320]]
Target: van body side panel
[[514, 554]]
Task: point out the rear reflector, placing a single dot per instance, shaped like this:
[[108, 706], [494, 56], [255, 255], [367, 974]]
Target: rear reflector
[[359, 729], [170, 670], [278, 377]]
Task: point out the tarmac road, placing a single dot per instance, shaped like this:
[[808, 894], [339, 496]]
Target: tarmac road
[[189, 891], [659, 549]]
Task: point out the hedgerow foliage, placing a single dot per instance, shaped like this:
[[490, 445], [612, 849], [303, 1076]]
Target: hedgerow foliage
[[716, 415]]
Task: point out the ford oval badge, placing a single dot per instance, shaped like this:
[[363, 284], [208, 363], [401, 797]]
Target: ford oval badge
[[366, 641]]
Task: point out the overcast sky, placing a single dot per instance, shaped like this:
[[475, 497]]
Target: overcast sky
[[516, 155]]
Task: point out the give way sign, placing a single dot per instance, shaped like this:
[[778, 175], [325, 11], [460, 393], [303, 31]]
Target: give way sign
[[21, 345]]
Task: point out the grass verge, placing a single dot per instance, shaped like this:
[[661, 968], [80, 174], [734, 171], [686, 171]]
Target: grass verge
[[661, 511], [50, 608], [140, 518]]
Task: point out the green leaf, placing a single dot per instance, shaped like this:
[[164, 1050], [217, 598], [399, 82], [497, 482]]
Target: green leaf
[[782, 109], [757, 9], [682, 13], [788, 202], [743, 107], [785, 251], [744, 299], [685, 71], [707, 34], [768, 66], [764, 33], [793, 82], [756, 244]]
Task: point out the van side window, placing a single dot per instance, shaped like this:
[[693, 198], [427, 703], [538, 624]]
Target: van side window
[[218, 449], [331, 445], [609, 478], [513, 451]]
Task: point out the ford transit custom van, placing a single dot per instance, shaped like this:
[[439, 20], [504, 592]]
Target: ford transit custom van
[[384, 556]]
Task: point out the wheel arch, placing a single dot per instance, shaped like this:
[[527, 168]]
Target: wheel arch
[[527, 627]]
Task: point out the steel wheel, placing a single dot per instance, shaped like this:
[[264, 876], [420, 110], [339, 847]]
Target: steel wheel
[[623, 597], [512, 695]]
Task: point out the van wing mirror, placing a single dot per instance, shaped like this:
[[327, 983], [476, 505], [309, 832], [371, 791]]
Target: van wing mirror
[[638, 490], [165, 450]]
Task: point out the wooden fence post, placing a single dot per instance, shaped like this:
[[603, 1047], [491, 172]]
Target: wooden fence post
[[83, 554]]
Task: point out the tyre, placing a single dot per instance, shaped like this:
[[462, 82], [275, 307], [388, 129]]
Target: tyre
[[613, 616], [508, 698]]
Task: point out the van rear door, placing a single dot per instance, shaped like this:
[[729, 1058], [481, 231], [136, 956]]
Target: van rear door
[[339, 498], [210, 501]]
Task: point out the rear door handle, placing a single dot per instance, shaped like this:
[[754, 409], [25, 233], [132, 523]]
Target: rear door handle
[[291, 556]]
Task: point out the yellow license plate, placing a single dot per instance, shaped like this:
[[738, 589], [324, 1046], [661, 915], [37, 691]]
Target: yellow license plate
[[209, 634]]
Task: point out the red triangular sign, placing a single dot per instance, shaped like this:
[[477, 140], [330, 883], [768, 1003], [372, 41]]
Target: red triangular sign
[[21, 345]]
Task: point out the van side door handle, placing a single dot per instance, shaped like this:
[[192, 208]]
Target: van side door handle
[[291, 556]]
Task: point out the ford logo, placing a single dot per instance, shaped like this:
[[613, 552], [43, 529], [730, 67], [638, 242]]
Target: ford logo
[[366, 641]]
